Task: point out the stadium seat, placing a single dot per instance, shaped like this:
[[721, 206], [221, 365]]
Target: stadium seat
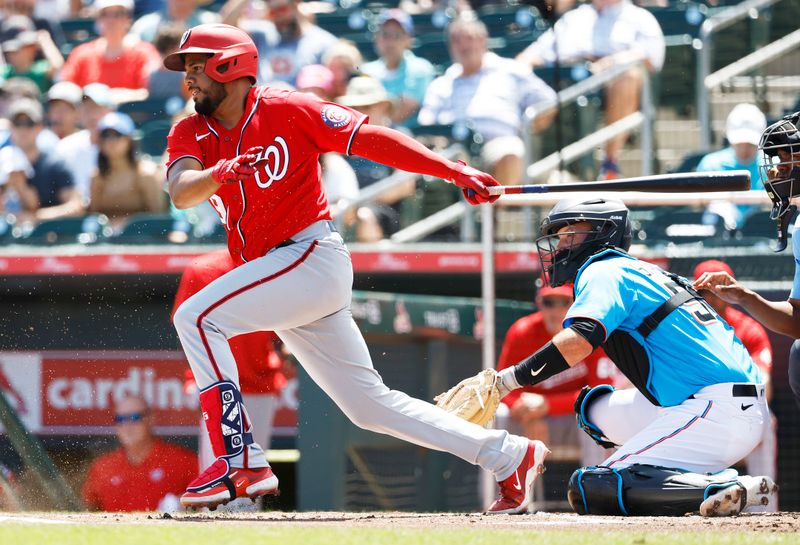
[[153, 229], [344, 21], [6, 229], [685, 225], [142, 111], [81, 230], [77, 31], [689, 162], [153, 137], [758, 225]]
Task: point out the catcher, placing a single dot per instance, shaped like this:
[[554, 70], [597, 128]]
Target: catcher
[[699, 401]]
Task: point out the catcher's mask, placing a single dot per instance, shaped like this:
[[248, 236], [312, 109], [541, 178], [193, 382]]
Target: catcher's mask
[[562, 254], [780, 171]]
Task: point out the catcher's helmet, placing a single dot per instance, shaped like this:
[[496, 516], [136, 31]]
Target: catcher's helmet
[[780, 170], [610, 227], [233, 53]]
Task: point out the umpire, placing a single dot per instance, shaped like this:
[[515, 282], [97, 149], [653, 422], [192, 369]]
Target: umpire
[[780, 145], [699, 401]]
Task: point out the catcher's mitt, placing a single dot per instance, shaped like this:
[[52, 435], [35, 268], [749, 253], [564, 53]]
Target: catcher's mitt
[[474, 399]]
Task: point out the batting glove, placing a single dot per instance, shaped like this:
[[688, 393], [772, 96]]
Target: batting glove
[[238, 169], [473, 183]]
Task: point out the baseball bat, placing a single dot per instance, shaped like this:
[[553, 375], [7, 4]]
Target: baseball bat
[[684, 182]]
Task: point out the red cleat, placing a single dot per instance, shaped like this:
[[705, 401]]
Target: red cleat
[[221, 483], [517, 489]]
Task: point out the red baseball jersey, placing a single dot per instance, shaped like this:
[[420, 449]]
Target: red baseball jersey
[[285, 195], [526, 336], [258, 364], [753, 336], [114, 484]]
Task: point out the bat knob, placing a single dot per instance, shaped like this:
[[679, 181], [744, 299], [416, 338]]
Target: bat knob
[[470, 192]]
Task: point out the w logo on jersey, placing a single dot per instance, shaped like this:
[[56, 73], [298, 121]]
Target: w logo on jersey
[[272, 163]]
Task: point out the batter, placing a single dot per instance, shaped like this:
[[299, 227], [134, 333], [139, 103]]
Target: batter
[[253, 152]]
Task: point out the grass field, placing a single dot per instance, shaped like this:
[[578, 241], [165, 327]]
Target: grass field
[[391, 529]]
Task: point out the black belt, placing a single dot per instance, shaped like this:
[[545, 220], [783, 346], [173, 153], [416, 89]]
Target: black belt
[[740, 390], [745, 390], [287, 242]]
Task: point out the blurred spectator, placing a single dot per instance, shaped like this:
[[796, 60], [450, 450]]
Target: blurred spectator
[[381, 218], [344, 60], [79, 150], [145, 473], [338, 178], [47, 191], [22, 48], [165, 83], [316, 79], [63, 100], [743, 130], [545, 411], [57, 10], [763, 459], [116, 59], [259, 357], [286, 41], [488, 93], [125, 184], [11, 91], [183, 13], [404, 75], [42, 19], [605, 33]]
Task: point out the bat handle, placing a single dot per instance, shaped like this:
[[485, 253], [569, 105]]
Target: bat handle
[[492, 189]]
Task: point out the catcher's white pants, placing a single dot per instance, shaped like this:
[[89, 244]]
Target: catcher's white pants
[[303, 293], [704, 435]]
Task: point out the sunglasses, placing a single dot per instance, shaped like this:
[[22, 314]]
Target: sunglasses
[[110, 134], [556, 302], [23, 123], [129, 418], [115, 14]]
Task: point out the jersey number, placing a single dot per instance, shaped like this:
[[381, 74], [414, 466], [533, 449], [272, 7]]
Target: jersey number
[[704, 313]]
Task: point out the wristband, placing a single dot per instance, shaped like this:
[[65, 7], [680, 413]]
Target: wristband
[[543, 364]]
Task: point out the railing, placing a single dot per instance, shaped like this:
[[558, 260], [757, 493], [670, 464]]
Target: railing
[[704, 46], [575, 92], [643, 119]]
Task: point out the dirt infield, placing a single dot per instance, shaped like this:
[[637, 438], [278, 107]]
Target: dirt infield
[[772, 522]]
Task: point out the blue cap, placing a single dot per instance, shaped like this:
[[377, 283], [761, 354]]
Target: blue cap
[[398, 16], [122, 123]]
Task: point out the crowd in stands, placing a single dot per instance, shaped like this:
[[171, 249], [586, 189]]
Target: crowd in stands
[[419, 65]]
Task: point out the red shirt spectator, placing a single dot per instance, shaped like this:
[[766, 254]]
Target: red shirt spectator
[[258, 363], [113, 483], [143, 471], [87, 64], [115, 58]]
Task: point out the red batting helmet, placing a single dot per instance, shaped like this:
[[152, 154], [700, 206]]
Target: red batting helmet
[[233, 53]]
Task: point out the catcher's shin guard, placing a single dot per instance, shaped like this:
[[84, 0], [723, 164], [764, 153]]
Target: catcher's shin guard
[[226, 421], [585, 399], [642, 490]]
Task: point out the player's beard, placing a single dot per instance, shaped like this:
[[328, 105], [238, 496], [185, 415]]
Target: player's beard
[[212, 98]]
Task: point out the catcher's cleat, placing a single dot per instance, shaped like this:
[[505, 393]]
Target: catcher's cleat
[[221, 483], [517, 489], [746, 492]]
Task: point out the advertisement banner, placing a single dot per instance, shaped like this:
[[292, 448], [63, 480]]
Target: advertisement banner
[[74, 393]]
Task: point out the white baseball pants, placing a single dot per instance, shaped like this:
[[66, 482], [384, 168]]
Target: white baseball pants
[[303, 292], [703, 435]]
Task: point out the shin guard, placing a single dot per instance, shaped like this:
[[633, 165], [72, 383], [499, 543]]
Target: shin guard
[[227, 424], [642, 490]]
